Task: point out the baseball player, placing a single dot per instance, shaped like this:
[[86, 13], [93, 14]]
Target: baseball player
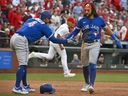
[[54, 48], [32, 30], [91, 25]]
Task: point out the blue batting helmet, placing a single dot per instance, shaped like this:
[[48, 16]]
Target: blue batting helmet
[[47, 88], [45, 14]]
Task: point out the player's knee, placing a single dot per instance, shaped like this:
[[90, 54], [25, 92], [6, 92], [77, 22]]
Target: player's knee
[[92, 66], [50, 57]]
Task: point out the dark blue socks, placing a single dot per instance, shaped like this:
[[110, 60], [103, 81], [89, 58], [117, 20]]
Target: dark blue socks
[[92, 73], [21, 71], [24, 79], [89, 73], [86, 74]]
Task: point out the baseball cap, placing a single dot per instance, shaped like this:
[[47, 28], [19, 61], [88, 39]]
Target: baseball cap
[[45, 14], [71, 19], [47, 88]]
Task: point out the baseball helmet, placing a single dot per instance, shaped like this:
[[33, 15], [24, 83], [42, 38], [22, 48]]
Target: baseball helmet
[[47, 88], [45, 14]]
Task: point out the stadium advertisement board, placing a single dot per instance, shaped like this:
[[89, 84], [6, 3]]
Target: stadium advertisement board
[[6, 59]]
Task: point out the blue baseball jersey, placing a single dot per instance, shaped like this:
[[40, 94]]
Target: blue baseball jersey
[[91, 28], [34, 28]]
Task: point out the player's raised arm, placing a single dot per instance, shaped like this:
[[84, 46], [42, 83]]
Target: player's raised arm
[[75, 31]]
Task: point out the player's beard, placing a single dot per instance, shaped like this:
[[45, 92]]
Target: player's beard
[[88, 15]]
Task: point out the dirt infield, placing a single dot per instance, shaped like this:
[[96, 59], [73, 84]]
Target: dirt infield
[[70, 88]]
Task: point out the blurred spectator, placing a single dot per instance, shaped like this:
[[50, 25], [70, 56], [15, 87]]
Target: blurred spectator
[[11, 15], [59, 5], [124, 4], [65, 3], [28, 3], [15, 2], [67, 10], [77, 10], [123, 32], [97, 3], [116, 3], [63, 17], [18, 18], [3, 5], [48, 4], [4, 38], [12, 30], [101, 59], [65, 13], [117, 33], [126, 36], [55, 19], [125, 60], [75, 59], [3, 17], [26, 16]]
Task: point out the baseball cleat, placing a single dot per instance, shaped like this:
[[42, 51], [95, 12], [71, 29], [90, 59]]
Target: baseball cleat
[[85, 88], [69, 75], [28, 88], [19, 90], [31, 55], [91, 90]]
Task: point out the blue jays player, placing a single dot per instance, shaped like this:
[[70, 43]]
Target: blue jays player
[[32, 30], [54, 48], [91, 25]]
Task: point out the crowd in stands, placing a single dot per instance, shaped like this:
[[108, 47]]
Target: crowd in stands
[[13, 13]]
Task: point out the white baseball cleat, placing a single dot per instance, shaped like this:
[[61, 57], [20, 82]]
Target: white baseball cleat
[[91, 90], [28, 88], [69, 74], [19, 90], [85, 88], [31, 55]]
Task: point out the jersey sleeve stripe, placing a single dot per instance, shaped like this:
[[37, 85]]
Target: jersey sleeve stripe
[[50, 36]]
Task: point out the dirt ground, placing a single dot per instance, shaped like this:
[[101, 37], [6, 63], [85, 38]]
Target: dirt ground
[[70, 88]]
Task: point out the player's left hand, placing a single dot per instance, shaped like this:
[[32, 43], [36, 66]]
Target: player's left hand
[[118, 43], [72, 41]]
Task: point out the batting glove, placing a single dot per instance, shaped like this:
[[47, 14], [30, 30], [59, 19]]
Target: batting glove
[[118, 43]]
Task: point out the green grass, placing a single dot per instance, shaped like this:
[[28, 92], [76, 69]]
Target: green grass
[[112, 77], [12, 94], [101, 77]]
